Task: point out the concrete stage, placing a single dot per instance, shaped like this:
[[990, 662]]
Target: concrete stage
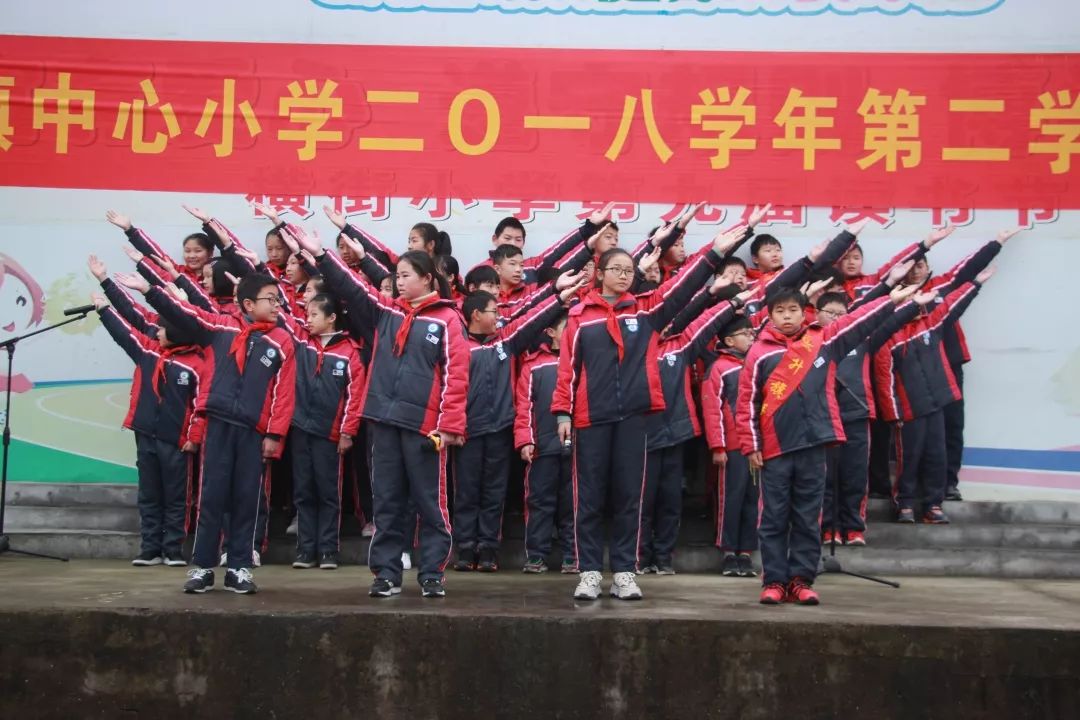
[[90, 639]]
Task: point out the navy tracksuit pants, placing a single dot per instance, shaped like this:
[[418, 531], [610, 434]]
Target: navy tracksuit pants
[[737, 506], [923, 460], [609, 457], [661, 505], [233, 475], [549, 500], [848, 468], [481, 472], [404, 468], [317, 474], [792, 489], [954, 435], [164, 492], [881, 437]]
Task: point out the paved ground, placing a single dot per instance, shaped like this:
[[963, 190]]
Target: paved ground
[[30, 584]]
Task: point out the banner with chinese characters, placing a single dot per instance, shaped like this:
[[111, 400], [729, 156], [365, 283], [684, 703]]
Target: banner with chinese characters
[[883, 130]]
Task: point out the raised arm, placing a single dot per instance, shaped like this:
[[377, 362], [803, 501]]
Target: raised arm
[[849, 331], [550, 257], [519, 335], [189, 319], [702, 330], [131, 342], [382, 254]]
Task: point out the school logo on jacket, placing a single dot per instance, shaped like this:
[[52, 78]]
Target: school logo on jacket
[[501, 352], [339, 369], [271, 353], [184, 378], [670, 358], [926, 338], [432, 333], [631, 324]]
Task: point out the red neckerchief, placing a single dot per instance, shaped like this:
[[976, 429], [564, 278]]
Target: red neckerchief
[[411, 311], [159, 366], [598, 300], [239, 343]]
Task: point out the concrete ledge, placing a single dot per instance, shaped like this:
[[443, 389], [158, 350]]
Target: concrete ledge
[[100, 640]]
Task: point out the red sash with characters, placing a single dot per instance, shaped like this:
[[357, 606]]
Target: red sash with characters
[[793, 367]]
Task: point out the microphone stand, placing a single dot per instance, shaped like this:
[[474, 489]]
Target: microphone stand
[[831, 564], [9, 345]]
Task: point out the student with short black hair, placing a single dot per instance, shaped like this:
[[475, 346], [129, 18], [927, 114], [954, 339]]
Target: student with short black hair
[[247, 399]]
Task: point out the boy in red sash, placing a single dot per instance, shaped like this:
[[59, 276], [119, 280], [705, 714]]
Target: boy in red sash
[[786, 415]]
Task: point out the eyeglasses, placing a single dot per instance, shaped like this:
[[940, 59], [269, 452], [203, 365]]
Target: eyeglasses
[[272, 300], [620, 271], [493, 312], [833, 313]]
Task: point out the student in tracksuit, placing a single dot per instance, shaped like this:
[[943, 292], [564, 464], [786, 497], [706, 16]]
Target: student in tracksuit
[[737, 496], [482, 464], [914, 383], [414, 405], [608, 382], [786, 415], [510, 231], [956, 350], [247, 397], [163, 390], [549, 489], [329, 387], [844, 518], [661, 503]]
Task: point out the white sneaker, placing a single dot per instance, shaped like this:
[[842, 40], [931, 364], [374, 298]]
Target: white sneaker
[[224, 560], [625, 587], [255, 559], [368, 531], [589, 585], [406, 561], [291, 530]]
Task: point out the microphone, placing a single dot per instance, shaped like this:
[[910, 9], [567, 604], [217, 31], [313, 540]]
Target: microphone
[[81, 310]]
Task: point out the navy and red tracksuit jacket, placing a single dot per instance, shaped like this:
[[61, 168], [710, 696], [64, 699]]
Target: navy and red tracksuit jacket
[[165, 384], [142, 242], [912, 370], [329, 386], [677, 354], [719, 396], [810, 415], [857, 286], [854, 391], [965, 271], [602, 380], [533, 423], [490, 405], [559, 256], [422, 387], [262, 396]]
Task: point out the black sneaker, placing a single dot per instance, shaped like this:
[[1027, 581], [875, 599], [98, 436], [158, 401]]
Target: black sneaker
[[905, 516], [730, 566], [241, 581], [487, 560], [147, 559], [432, 588], [535, 565], [954, 495], [384, 588], [328, 561], [173, 558], [665, 569], [745, 566], [303, 561], [466, 560], [200, 580]]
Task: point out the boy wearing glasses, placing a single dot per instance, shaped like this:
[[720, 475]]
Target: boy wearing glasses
[[247, 398]]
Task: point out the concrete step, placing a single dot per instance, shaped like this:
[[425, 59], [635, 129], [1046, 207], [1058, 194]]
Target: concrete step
[[114, 518], [1027, 511], [21, 494], [1036, 536], [886, 562]]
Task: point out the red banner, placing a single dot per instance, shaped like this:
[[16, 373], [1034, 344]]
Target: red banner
[[868, 130]]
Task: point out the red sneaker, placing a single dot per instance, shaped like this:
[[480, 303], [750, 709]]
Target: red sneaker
[[828, 535], [935, 516], [773, 594], [854, 537], [801, 593]]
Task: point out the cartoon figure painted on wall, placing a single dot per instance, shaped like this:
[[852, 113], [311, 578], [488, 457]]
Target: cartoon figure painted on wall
[[22, 306]]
